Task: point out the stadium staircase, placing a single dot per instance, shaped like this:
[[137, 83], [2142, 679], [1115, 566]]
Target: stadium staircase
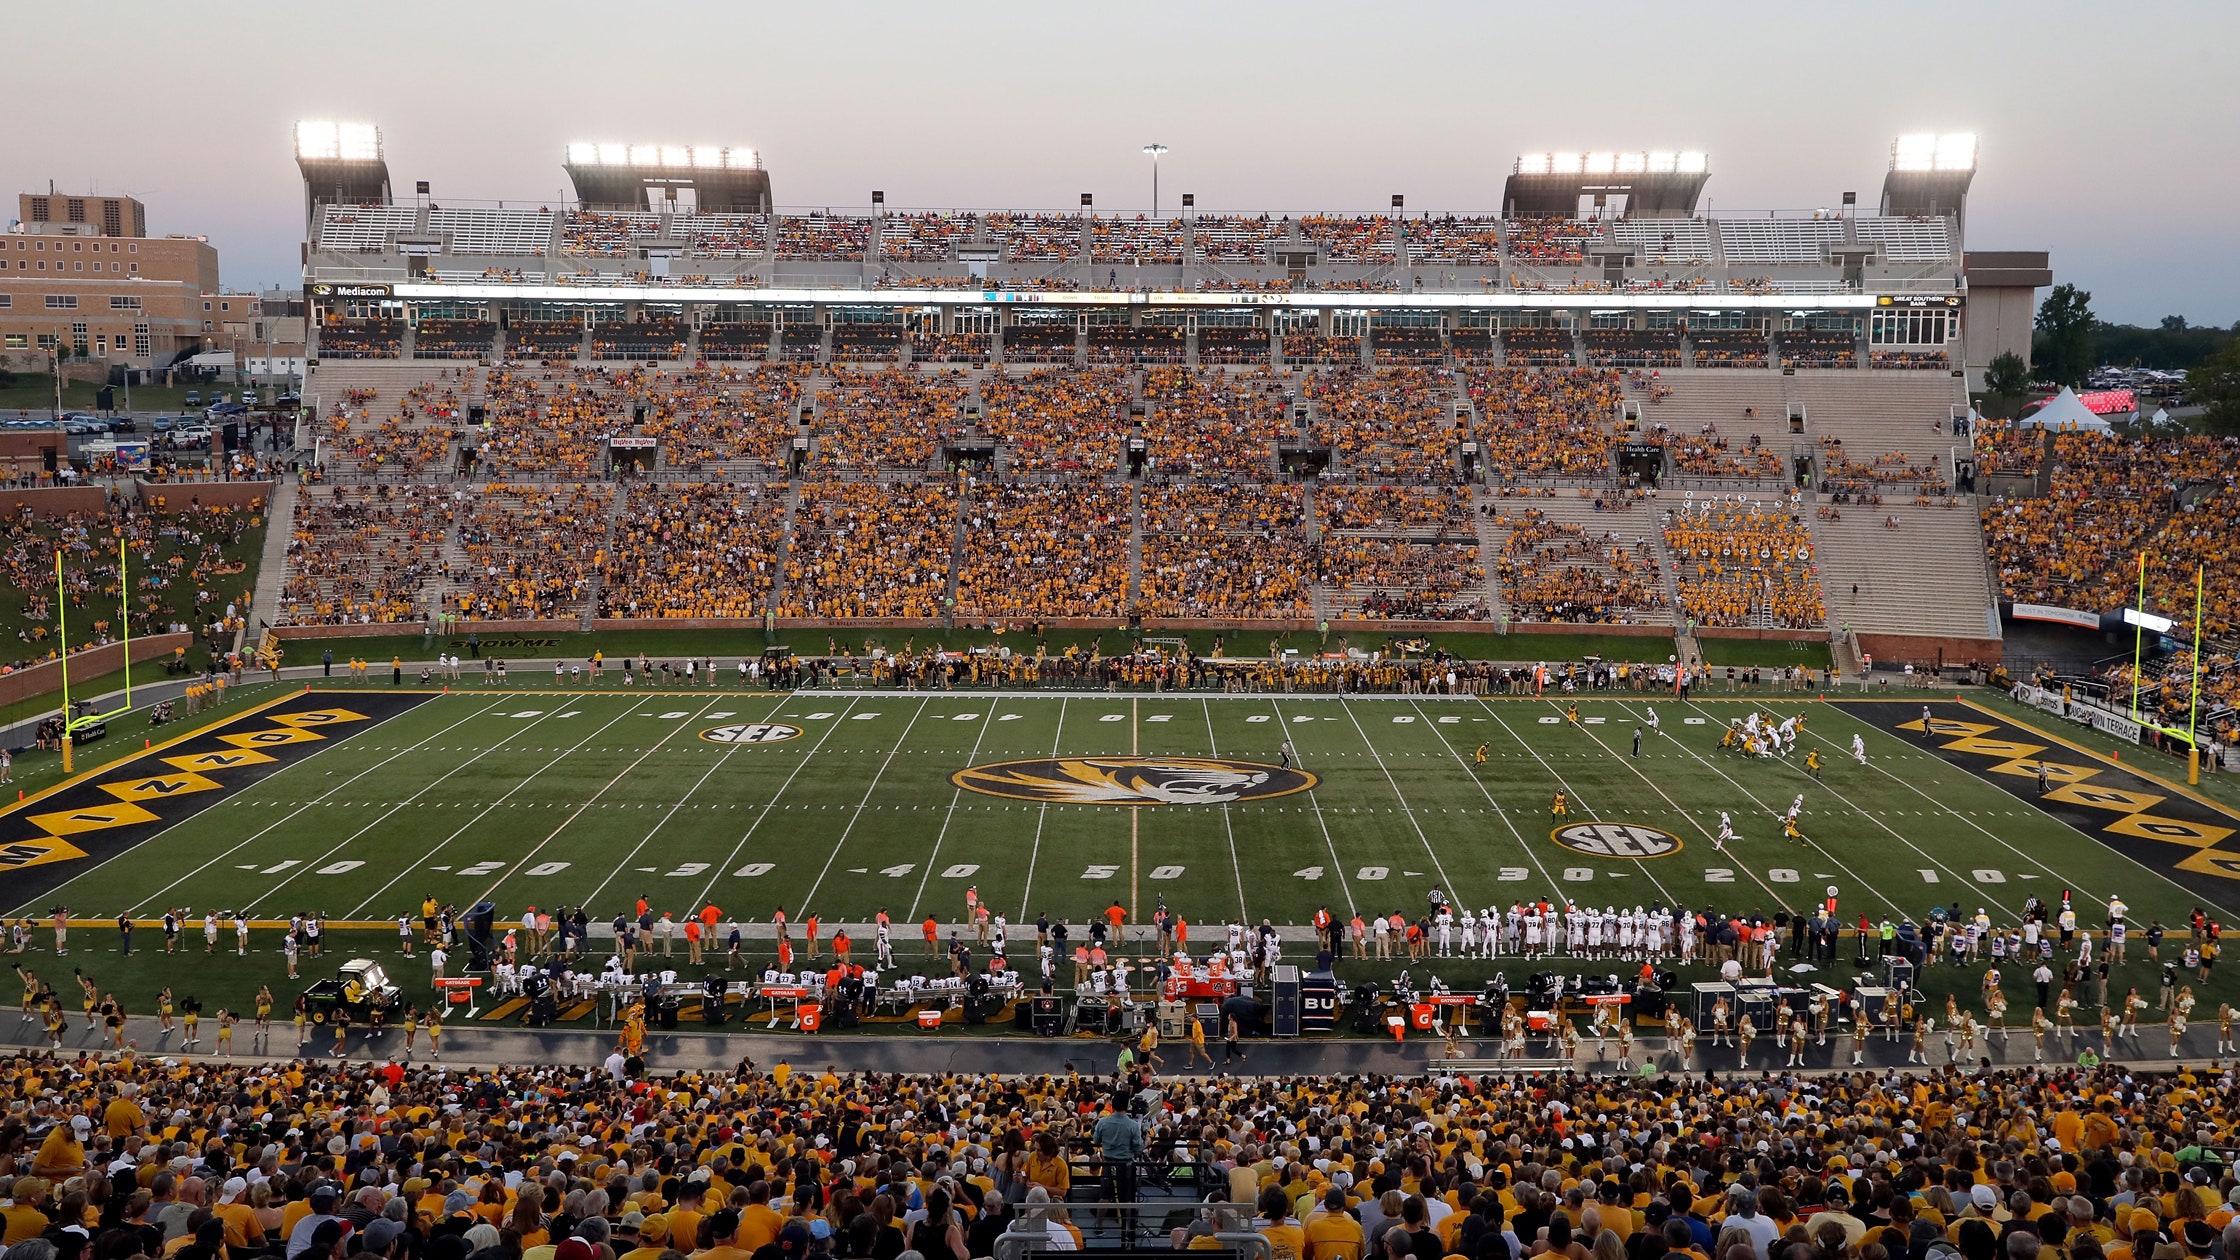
[[1925, 577], [1490, 537], [1135, 543], [785, 545], [599, 561], [280, 528]]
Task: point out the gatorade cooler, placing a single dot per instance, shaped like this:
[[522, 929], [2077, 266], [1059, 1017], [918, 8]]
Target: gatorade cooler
[[810, 1018], [1421, 1015]]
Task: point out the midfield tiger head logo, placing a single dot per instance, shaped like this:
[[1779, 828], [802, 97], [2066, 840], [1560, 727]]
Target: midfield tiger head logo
[[1127, 780]]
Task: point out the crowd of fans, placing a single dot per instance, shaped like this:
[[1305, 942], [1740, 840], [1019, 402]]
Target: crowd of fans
[[695, 549], [453, 338], [710, 420], [530, 551], [927, 237], [1468, 241], [1550, 241], [2078, 544], [1539, 346], [606, 235], [1232, 346], [1153, 344], [363, 555], [890, 419], [639, 339], [1139, 240], [1729, 349], [728, 235], [1633, 347], [870, 549], [548, 423], [1350, 239], [969, 348], [1396, 424], [1739, 564], [1214, 424], [823, 237], [1818, 348], [1546, 423], [1057, 549], [1055, 420], [180, 571], [126, 1156], [1710, 453], [1217, 549], [1555, 571], [1910, 360], [1441, 513], [1037, 237], [341, 338], [1406, 347], [1402, 579]]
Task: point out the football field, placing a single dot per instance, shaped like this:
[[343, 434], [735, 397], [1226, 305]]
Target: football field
[[360, 801]]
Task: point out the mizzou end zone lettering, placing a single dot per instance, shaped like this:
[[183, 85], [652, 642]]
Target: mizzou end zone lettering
[[47, 840], [2149, 822]]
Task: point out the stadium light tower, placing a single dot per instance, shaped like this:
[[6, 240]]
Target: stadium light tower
[[1929, 175], [341, 163], [1156, 151]]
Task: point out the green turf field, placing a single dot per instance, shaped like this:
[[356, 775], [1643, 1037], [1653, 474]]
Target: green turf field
[[596, 798], [360, 799]]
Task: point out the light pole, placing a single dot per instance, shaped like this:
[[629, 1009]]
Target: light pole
[[1155, 150]]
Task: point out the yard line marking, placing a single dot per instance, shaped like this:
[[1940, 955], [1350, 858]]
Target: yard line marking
[[933, 859], [873, 786], [392, 810], [1337, 866], [1042, 815], [1532, 855], [772, 804], [1135, 816], [651, 749], [262, 831], [1407, 810], [1228, 824], [1565, 784], [1818, 849], [593, 896]]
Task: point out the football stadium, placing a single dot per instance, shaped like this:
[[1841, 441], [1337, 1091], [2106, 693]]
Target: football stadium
[[692, 726]]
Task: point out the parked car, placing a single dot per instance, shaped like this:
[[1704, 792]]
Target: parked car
[[193, 399], [188, 437], [123, 424], [163, 424]]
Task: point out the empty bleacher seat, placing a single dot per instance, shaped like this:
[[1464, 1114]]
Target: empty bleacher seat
[[477, 230]]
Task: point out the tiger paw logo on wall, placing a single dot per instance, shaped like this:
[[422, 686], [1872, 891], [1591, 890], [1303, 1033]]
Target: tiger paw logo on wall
[[1131, 780], [1616, 840]]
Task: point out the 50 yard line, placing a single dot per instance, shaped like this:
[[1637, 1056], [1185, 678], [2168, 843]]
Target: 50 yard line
[[933, 859]]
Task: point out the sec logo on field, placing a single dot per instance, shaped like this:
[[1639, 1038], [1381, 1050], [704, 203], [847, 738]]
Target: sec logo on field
[[751, 733], [1616, 840]]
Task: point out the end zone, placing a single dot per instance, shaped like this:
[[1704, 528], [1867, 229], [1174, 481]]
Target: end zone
[[53, 837], [2161, 826]]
